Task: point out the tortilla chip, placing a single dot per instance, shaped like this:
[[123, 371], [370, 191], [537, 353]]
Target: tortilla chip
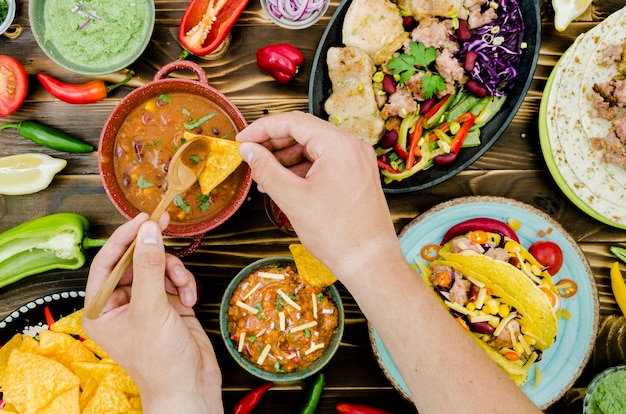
[[312, 272], [222, 161], [33, 381], [95, 348], [5, 352], [29, 344], [66, 403], [63, 348], [107, 400], [89, 390], [71, 324], [119, 379]]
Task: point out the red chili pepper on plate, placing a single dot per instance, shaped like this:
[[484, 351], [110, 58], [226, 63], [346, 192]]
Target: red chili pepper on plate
[[84, 93], [206, 23], [281, 61], [461, 134], [252, 398], [345, 408], [480, 223]]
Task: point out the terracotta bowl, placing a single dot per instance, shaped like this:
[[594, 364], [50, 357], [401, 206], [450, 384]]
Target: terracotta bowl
[[162, 85]]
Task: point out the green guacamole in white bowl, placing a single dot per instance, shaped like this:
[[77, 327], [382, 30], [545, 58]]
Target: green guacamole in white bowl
[[607, 392], [92, 37]]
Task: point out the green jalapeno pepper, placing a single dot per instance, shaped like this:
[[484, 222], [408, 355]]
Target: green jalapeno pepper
[[313, 395], [49, 137], [51, 242]]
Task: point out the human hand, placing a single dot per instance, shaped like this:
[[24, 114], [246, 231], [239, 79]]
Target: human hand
[[330, 190], [148, 325]]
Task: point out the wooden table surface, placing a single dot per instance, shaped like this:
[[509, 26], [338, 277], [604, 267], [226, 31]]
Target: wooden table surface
[[513, 167]]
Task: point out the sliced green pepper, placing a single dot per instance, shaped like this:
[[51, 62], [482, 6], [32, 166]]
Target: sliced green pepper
[[51, 242]]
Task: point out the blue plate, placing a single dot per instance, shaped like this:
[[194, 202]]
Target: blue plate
[[563, 362]]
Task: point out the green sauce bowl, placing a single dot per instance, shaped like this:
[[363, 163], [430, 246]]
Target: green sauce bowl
[[606, 394], [92, 37]]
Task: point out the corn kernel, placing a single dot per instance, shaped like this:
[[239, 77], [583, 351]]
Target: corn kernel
[[504, 310], [471, 307], [495, 321], [492, 306], [150, 106], [519, 348], [514, 224]]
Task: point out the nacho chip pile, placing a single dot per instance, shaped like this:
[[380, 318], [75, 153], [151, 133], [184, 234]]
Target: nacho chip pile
[[63, 372]]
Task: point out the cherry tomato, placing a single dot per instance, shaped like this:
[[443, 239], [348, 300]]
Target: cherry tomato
[[549, 254], [13, 85]]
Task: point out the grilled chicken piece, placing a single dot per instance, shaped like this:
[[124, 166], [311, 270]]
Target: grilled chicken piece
[[374, 26], [442, 8], [352, 104]]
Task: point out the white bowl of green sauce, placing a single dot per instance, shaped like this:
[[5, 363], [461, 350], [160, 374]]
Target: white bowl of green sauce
[[92, 37], [7, 14], [606, 394]]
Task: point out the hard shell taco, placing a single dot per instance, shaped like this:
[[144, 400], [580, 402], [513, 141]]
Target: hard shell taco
[[506, 309]]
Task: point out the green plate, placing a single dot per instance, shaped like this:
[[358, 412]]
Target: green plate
[[546, 147], [92, 37]]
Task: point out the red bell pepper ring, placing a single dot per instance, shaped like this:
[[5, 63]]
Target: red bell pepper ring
[[92, 91], [345, 408], [252, 398], [281, 61], [461, 134], [206, 23], [480, 223]]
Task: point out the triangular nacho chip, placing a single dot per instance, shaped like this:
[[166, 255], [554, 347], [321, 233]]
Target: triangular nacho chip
[[222, 161], [312, 272]]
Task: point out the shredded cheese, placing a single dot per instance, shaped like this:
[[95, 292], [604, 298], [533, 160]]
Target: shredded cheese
[[314, 347], [291, 355], [263, 355], [480, 299], [459, 308], [476, 282], [275, 276], [314, 300], [288, 299], [503, 323], [281, 320], [251, 291], [303, 327], [525, 345], [480, 318], [242, 338], [247, 307]]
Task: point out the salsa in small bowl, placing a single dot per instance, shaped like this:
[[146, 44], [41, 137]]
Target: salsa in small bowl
[[276, 327]]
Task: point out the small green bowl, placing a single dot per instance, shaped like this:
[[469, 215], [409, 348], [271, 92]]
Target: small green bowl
[[92, 37], [604, 383], [252, 368]]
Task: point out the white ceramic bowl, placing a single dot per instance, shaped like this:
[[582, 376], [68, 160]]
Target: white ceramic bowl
[[4, 25], [288, 23]]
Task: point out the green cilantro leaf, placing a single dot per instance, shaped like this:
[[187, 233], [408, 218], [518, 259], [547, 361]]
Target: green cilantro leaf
[[178, 200], [406, 64], [432, 84]]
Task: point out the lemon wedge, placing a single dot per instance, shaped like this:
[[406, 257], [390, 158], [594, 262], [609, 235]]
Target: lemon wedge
[[565, 11], [28, 173]]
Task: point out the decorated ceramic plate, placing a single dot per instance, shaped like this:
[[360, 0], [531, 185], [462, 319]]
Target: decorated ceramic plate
[[320, 89], [564, 361], [567, 126], [30, 318]]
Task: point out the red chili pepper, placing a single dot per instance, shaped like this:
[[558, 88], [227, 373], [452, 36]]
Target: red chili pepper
[[206, 23], [437, 107], [461, 134], [252, 398], [384, 165], [480, 223], [92, 91], [345, 408], [281, 61], [415, 137], [402, 153], [49, 318]]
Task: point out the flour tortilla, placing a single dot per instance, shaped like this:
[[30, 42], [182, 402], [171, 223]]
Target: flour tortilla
[[570, 125]]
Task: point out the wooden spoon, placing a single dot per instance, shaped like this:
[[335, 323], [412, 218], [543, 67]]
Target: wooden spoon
[[184, 170]]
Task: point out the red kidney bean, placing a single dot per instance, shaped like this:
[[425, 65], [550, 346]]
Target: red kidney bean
[[409, 23], [463, 33], [427, 105], [389, 85], [470, 61], [446, 159], [481, 327], [473, 293], [476, 89], [389, 139]]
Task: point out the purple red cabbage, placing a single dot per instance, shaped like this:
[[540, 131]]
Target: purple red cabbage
[[496, 65]]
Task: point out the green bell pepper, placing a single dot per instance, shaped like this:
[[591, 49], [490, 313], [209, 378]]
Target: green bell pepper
[[51, 242]]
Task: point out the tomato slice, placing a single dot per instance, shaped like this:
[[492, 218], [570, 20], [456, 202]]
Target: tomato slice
[[13, 85]]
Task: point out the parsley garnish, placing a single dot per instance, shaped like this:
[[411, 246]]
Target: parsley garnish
[[195, 159], [277, 367], [419, 57], [178, 200], [280, 303], [252, 338], [142, 183], [163, 98], [205, 202]]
